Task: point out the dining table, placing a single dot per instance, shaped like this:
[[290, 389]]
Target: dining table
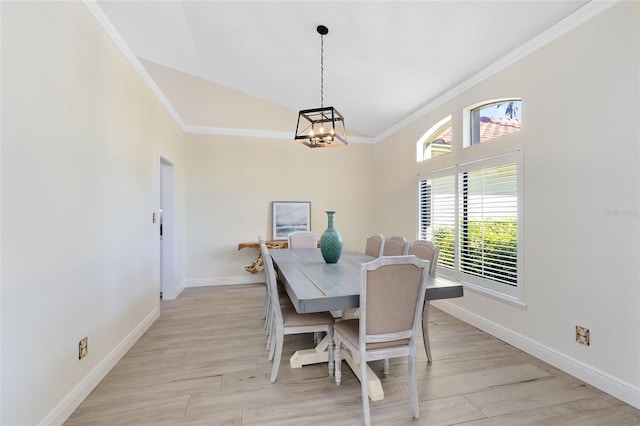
[[314, 285]]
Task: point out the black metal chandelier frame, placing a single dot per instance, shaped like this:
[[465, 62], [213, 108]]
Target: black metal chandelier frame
[[324, 126]]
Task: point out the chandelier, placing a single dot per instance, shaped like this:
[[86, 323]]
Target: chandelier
[[324, 126]]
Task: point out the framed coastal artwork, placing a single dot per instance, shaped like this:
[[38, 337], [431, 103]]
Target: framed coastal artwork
[[290, 216]]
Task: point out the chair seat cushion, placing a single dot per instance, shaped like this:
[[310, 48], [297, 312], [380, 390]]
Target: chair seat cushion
[[291, 318], [350, 330]]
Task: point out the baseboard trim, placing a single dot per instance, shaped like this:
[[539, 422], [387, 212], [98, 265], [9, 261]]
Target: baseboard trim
[[74, 398], [620, 389], [180, 289], [244, 279]]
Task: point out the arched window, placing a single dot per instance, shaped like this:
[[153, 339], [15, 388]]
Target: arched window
[[437, 140], [493, 119]]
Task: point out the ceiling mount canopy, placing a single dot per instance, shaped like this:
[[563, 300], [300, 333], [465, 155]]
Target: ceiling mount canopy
[[324, 126]]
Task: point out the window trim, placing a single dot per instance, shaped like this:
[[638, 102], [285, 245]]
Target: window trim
[[467, 121], [436, 128]]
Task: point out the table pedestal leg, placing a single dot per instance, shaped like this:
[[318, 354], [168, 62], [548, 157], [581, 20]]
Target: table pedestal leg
[[374, 386], [319, 354], [311, 356]]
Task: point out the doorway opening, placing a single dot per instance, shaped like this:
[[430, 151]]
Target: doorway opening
[[167, 230]]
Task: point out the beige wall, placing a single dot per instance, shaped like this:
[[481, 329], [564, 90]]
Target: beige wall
[[203, 103], [231, 182], [581, 103], [81, 139]]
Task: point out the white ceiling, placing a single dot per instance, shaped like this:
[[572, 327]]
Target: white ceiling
[[383, 60]]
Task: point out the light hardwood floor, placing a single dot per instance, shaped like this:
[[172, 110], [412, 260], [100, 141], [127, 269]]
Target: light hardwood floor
[[203, 362]]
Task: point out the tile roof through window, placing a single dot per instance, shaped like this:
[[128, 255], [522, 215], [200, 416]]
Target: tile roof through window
[[490, 128]]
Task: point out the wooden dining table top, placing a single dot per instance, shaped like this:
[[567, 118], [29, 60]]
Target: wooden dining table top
[[316, 286]]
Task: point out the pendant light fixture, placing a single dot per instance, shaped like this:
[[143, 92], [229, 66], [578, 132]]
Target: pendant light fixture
[[324, 126]]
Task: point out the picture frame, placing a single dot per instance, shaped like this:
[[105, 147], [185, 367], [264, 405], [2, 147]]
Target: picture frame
[[290, 216]]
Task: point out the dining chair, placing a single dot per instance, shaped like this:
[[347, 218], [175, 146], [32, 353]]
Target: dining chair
[[392, 291], [374, 245], [266, 292], [282, 297], [395, 246], [426, 250], [285, 320], [302, 240]]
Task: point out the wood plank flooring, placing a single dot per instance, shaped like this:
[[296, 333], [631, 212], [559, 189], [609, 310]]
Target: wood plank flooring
[[203, 362]]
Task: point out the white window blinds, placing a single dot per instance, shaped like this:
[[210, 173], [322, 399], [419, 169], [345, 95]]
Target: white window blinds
[[488, 223], [438, 216]]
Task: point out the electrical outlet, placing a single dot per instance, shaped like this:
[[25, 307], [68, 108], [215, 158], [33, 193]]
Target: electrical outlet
[[83, 348], [582, 335]]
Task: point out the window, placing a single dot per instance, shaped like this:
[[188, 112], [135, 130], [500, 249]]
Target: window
[[437, 140], [438, 216], [494, 119], [472, 214], [488, 215]]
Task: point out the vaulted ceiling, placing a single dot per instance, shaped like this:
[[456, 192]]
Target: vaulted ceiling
[[383, 60]]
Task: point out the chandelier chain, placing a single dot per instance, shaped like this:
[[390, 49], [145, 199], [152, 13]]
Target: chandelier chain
[[321, 71]]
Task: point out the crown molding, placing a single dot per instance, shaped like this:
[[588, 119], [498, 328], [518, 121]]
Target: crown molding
[[577, 18], [102, 19], [253, 133], [229, 131], [97, 12], [582, 15]]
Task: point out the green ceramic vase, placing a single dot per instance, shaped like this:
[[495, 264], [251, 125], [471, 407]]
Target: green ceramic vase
[[331, 242]]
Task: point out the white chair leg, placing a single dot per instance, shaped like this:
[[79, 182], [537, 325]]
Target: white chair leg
[[425, 330], [266, 304], [272, 343], [269, 337], [338, 360], [278, 355], [413, 386], [385, 367], [330, 349], [268, 327], [364, 390], [267, 321]]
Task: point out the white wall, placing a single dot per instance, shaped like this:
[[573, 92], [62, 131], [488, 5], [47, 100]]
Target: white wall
[[581, 103], [82, 136]]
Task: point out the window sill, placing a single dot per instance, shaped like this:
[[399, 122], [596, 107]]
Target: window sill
[[501, 297]]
